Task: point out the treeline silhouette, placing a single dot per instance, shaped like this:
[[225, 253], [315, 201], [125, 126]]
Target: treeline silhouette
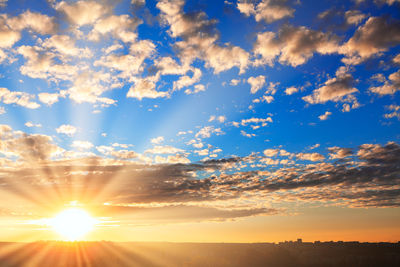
[[101, 254]]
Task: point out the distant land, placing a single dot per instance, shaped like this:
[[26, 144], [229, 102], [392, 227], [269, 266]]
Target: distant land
[[288, 253]]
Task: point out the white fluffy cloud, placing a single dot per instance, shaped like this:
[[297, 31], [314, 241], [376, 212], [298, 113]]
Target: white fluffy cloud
[[49, 98], [256, 83], [325, 116], [122, 27], [82, 145], [267, 10], [199, 38], [339, 88], [20, 98], [310, 156], [66, 129], [157, 140], [291, 90], [390, 86], [293, 45], [145, 88], [375, 36], [37, 22], [82, 12]]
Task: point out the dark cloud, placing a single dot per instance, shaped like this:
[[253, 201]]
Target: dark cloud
[[372, 173]]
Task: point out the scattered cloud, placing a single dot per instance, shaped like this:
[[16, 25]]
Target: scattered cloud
[[82, 145], [325, 116], [266, 10], [157, 140], [19, 98], [394, 112], [293, 45], [291, 90], [30, 124], [337, 89], [375, 36], [390, 86], [66, 129], [256, 83]]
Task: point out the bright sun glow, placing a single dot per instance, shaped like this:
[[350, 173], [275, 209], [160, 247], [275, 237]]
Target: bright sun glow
[[72, 224]]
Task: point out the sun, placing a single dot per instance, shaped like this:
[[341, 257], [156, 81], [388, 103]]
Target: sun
[[72, 224]]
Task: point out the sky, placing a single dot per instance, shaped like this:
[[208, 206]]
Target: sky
[[201, 121]]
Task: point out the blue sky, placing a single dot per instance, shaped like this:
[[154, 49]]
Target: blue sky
[[260, 87]]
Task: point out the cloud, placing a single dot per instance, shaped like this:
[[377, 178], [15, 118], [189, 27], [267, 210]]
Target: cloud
[[291, 90], [138, 2], [8, 36], [40, 64], [335, 18], [325, 116], [82, 145], [164, 150], [157, 140], [370, 179], [88, 87], [339, 153], [267, 10], [28, 147], [30, 124], [144, 88], [121, 27], [271, 152], [337, 89], [395, 112], [199, 38], [265, 98], [375, 36], [249, 135], [66, 129], [396, 59], [292, 45], [390, 86], [20, 98], [49, 98], [124, 154], [256, 83], [197, 89], [235, 82], [206, 132], [314, 146], [220, 118], [172, 159], [310, 156], [37, 22], [354, 17], [82, 12], [65, 46], [254, 121], [185, 80], [128, 64]]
